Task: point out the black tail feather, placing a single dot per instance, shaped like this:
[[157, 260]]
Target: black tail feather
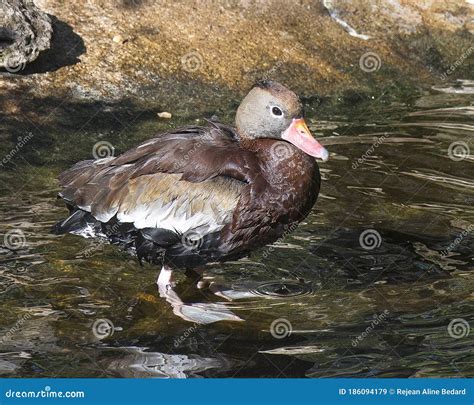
[[152, 245], [77, 222]]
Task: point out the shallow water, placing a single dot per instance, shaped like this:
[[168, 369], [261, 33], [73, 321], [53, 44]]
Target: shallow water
[[377, 281]]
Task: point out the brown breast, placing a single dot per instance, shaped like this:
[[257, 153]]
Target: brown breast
[[286, 191]]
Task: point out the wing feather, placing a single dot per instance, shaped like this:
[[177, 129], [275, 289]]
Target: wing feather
[[192, 177]]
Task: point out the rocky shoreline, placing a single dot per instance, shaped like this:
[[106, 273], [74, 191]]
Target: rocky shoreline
[[184, 56], [25, 31]]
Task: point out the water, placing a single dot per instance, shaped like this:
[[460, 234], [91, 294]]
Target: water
[[367, 286]]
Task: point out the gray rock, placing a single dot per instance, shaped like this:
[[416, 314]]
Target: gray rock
[[25, 31]]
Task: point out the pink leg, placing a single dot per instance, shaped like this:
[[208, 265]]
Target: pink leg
[[200, 312]]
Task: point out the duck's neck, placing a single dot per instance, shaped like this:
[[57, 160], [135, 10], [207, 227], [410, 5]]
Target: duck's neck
[[283, 163], [292, 174]]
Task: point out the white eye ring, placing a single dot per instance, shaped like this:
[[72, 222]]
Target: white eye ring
[[276, 111]]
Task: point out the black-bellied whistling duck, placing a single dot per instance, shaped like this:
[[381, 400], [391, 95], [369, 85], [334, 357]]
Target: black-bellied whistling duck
[[202, 193]]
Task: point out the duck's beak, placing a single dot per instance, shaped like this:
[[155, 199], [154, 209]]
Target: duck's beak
[[299, 135]]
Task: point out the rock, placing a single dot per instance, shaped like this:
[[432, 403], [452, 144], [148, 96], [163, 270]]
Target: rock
[[304, 47], [165, 115], [25, 31]]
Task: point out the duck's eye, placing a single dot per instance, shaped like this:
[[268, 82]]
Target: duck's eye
[[277, 111]]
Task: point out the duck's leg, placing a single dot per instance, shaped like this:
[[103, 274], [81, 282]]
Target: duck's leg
[[201, 313], [166, 288], [216, 288], [199, 276], [165, 280]]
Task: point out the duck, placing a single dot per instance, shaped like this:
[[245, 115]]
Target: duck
[[201, 194]]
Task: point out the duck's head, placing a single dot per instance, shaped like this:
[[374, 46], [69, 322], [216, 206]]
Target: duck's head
[[271, 110]]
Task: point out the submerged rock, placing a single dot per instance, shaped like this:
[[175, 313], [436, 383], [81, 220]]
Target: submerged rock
[[25, 31]]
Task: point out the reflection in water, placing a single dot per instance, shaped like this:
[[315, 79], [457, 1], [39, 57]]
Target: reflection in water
[[460, 87], [130, 362], [200, 313], [349, 309]]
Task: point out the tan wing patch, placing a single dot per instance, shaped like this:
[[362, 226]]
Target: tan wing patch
[[162, 200]]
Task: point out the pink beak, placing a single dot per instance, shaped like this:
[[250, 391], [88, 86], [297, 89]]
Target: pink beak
[[299, 135]]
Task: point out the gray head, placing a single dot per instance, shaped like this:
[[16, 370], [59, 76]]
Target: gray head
[[267, 110], [270, 110]]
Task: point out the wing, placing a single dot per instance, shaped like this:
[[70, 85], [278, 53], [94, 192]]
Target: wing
[[186, 179]]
